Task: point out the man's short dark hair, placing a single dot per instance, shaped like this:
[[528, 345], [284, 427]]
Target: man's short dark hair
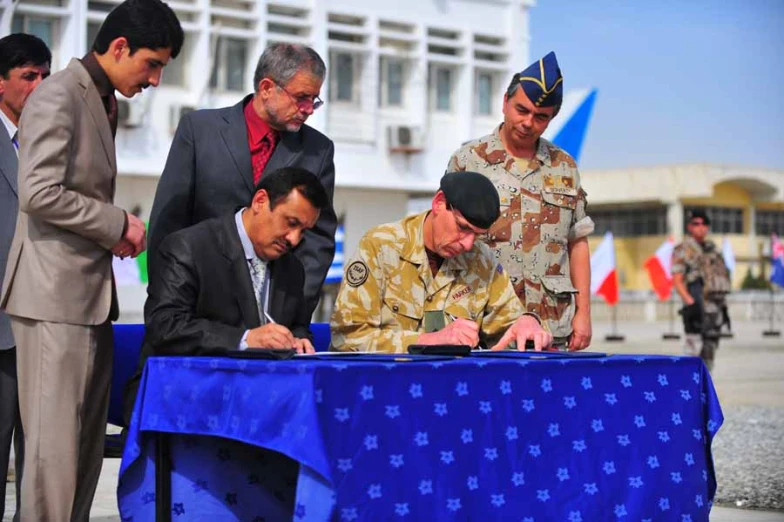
[[146, 24], [20, 49], [281, 182], [281, 61], [699, 213]]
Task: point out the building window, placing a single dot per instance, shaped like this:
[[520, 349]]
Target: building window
[[723, 220], [344, 77], [441, 87], [92, 33], [392, 72], [174, 74], [630, 222], [43, 28], [228, 70], [484, 93], [770, 222]]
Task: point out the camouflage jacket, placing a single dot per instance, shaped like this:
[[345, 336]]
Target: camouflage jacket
[[543, 208], [389, 291], [702, 263]]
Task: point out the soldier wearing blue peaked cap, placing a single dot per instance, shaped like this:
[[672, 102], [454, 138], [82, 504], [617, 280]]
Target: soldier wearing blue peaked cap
[[540, 236], [542, 82]]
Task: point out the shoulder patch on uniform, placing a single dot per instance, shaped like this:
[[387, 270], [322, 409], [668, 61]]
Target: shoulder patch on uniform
[[357, 273], [499, 268]]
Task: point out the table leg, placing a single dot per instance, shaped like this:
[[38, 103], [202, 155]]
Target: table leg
[[163, 504]]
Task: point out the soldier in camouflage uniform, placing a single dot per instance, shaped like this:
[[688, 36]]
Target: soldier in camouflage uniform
[[540, 238], [424, 280], [701, 278]]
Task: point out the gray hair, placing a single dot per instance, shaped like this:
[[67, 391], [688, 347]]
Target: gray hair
[[281, 61], [512, 89]]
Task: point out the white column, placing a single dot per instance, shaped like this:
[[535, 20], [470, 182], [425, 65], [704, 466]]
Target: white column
[[675, 220], [752, 235]]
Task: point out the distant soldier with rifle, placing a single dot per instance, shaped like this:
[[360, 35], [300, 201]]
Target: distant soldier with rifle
[[702, 279]]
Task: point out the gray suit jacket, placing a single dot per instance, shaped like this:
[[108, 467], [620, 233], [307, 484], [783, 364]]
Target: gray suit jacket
[[208, 174], [9, 206], [60, 267]]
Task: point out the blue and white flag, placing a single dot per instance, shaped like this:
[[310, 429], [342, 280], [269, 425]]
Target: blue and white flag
[[335, 273], [728, 255], [777, 261]]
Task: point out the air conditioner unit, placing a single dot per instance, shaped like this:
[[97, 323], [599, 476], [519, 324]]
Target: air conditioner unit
[[176, 112], [405, 138], [129, 113]]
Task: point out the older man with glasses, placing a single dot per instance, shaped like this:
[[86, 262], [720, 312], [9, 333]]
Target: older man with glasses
[[219, 155], [425, 280]]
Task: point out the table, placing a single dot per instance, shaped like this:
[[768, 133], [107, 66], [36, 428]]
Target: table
[[518, 436]]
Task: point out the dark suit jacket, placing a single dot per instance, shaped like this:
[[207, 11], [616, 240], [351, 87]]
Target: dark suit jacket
[[9, 206], [200, 298], [208, 173]]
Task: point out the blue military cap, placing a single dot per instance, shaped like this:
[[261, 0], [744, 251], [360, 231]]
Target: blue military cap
[[542, 82]]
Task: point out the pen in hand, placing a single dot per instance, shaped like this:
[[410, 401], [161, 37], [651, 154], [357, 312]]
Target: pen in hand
[[269, 317]]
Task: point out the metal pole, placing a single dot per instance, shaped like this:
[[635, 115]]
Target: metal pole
[[671, 335], [770, 332], [614, 336]]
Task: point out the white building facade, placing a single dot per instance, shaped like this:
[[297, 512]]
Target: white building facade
[[407, 83]]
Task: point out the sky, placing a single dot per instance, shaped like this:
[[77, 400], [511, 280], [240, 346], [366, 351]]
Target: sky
[[689, 81]]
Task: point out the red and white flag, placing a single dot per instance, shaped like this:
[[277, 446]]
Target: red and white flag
[[659, 267], [604, 277]]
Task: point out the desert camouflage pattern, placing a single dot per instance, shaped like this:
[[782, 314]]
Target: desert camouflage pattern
[[543, 208], [702, 263], [388, 288], [707, 276], [687, 260]]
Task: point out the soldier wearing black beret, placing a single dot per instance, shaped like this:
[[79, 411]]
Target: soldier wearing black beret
[[424, 280]]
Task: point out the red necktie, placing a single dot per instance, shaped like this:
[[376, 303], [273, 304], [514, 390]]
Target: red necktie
[[261, 159]]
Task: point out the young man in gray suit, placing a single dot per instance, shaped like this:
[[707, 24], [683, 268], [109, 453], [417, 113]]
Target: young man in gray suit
[[58, 288], [24, 62], [219, 155]]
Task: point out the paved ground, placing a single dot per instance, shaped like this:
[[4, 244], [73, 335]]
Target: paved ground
[[749, 378]]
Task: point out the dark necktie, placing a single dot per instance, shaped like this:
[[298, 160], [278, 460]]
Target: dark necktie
[[262, 158], [15, 140], [110, 103]]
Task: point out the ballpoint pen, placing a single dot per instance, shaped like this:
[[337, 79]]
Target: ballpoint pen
[[269, 317]]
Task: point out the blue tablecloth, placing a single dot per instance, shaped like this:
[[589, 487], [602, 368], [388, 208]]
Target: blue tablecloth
[[572, 439]]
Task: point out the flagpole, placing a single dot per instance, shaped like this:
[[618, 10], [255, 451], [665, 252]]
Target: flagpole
[[614, 336], [776, 269], [771, 332], [672, 335]]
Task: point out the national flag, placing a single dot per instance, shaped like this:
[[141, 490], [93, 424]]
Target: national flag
[[659, 267], [728, 255], [335, 273], [604, 277], [777, 260]]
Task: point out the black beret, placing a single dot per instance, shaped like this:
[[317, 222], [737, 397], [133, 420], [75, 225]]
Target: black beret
[[473, 195]]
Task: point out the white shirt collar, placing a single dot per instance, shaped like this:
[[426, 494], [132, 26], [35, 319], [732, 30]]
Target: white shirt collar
[[247, 245], [9, 125]]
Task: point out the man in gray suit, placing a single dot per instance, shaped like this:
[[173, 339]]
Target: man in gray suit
[[58, 289], [218, 156], [24, 62]]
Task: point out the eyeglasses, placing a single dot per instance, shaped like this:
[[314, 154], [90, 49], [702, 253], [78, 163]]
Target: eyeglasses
[[463, 229], [304, 101]]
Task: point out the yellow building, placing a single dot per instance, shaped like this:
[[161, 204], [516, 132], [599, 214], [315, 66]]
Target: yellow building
[[644, 206]]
